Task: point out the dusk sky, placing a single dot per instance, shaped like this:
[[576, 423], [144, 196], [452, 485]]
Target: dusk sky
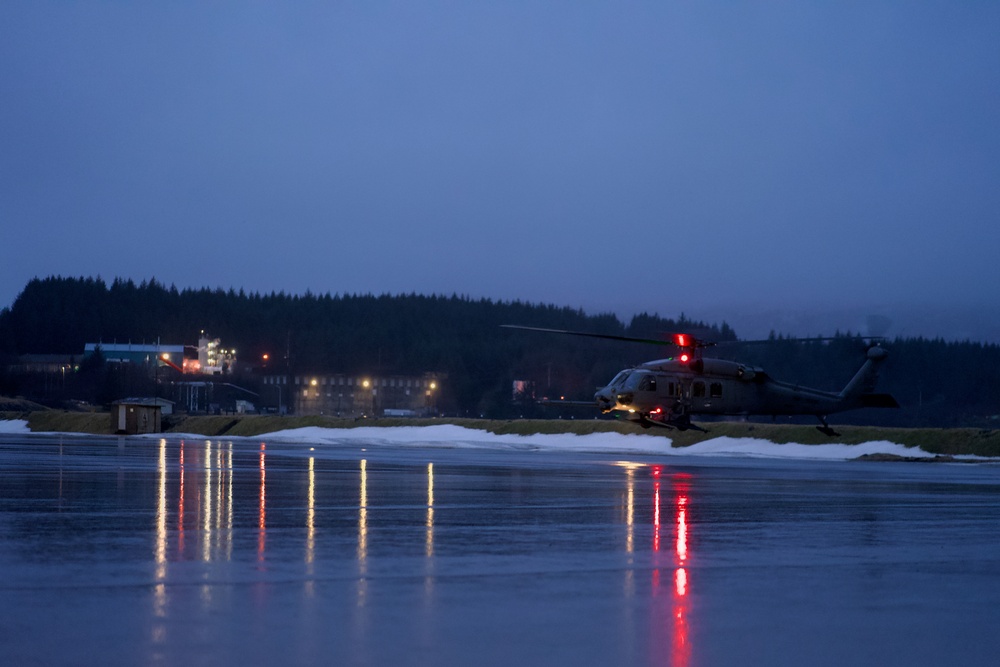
[[713, 158]]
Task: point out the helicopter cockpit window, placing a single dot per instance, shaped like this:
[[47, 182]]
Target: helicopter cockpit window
[[715, 390], [648, 383], [634, 380], [619, 379]]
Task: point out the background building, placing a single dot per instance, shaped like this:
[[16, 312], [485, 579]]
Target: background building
[[342, 395], [137, 354]]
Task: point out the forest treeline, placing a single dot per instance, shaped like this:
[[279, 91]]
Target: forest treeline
[[939, 383]]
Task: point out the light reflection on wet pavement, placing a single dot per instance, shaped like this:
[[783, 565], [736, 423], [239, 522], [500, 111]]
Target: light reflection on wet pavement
[[144, 551]]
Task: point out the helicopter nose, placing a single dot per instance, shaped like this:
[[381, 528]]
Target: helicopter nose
[[604, 400]]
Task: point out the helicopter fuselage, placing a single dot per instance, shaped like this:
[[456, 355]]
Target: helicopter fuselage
[[670, 391], [667, 392]]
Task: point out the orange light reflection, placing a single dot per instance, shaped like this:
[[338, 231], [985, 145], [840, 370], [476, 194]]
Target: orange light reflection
[[363, 536], [262, 508], [180, 506], [429, 523], [206, 541]]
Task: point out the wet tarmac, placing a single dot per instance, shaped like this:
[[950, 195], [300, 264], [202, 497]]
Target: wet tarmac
[[132, 551]]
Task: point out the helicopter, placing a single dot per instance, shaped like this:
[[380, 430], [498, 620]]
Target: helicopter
[[668, 392]]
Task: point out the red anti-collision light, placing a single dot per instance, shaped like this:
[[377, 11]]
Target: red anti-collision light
[[681, 340]]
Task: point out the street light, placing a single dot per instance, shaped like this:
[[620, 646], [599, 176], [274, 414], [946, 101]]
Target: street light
[[429, 394], [369, 397]]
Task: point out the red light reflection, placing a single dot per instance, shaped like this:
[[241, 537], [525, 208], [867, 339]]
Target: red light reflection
[[680, 581], [656, 516], [672, 605], [681, 649], [682, 530]]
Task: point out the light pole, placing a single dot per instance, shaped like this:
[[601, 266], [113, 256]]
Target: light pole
[[369, 403], [430, 397]]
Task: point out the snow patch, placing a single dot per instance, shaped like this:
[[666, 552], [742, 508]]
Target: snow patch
[[726, 446], [14, 426], [454, 437]]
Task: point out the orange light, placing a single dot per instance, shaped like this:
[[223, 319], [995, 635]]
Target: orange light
[[266, 357], [262, 507]]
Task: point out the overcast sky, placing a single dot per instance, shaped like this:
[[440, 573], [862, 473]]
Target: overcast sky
[[697, 157]]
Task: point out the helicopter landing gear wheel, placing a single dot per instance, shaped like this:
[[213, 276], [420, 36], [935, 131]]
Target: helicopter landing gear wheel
[[825, 428]]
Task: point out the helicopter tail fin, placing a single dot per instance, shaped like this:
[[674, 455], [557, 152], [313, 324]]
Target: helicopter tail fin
[[862, 384]]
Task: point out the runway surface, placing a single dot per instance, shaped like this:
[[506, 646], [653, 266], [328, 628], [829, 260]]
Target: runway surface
[[448, 548]]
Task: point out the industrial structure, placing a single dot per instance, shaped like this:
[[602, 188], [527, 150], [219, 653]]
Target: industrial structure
[[213, 359], [136, 353]]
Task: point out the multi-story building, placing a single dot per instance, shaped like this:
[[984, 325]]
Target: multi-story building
[[342, 395]]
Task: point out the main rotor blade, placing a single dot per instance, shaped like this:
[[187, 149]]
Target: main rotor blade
[[697, 343], [814, 339], [628, 339]]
